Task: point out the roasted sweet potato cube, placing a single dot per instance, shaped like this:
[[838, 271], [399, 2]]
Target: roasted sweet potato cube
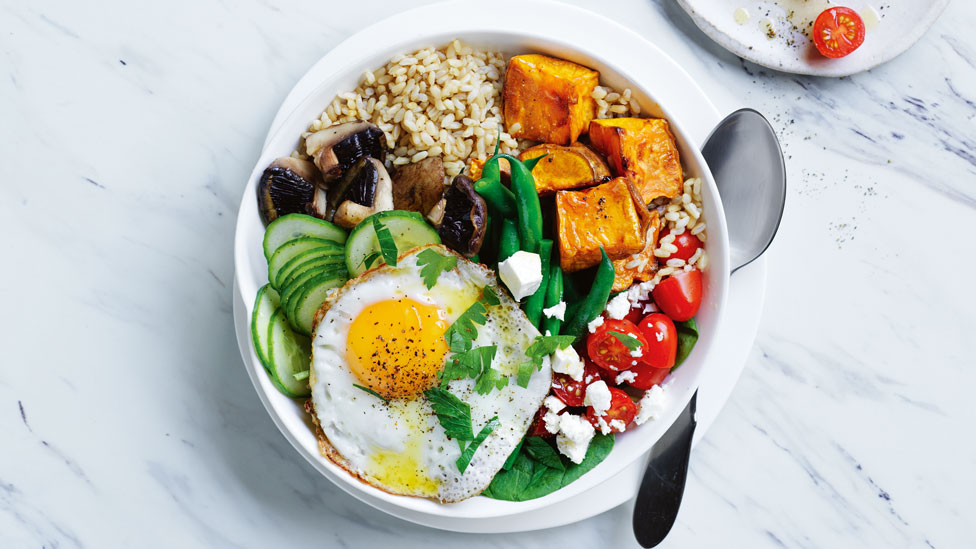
[[548, 99], [642, 149], [566, 167], [611, 215], [641, 266]]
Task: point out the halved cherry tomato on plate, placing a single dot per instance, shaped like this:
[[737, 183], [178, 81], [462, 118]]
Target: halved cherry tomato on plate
[[607, 348], [647, 376], [687, 245], [621, 408], [680, 295], [573, 392], [662, 340], [838, 32]]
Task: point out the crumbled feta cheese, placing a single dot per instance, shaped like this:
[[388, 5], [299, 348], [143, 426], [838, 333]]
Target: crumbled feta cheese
[[575, 434], [650, 308], [602, 424], [598, 396], [553, 403], [618, 424], [551, 421], [566, 361], [652, 404], [625, 376], [595, 323], [619, 306], [522, 273], [637, 353], [556, 311]]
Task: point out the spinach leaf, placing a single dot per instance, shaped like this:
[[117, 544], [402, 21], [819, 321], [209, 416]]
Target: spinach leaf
[[540, 450], [530, 478], [687, 337], [511, 457]]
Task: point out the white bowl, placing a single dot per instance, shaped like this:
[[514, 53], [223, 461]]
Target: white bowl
[[514, 27]]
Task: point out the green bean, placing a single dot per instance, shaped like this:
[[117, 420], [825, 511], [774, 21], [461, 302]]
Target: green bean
[[595, 301], [508, 242], [500, 200], [529, 209], [554, 296], [533, 305]]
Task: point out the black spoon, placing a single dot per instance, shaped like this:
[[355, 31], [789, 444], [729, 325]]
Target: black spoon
[[747, 163]]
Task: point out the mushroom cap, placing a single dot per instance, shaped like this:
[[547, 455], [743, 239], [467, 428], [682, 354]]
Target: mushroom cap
[[465, 218]]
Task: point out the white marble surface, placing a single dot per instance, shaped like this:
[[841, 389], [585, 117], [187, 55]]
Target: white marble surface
[[127, 130]]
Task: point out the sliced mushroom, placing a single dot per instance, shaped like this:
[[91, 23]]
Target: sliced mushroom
[[464, 217], [290, 185], [337, 148], [417, 187], [365, 189]]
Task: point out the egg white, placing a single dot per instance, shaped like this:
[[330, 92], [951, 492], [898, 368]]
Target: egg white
[[360, 426]]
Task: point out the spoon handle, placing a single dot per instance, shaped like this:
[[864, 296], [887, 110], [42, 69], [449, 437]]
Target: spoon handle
[[661, 489]]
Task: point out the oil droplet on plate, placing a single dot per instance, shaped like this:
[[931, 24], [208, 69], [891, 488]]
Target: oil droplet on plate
[[870, 17], [741, 16]]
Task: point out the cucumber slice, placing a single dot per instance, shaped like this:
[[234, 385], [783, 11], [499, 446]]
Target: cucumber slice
[[265, 305], [294, 288], [310, 259], [409, 230], [292, 226], [309, 300], [292, 249], [289, 354]]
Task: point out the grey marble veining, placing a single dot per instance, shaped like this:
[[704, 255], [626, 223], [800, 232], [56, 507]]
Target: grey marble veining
[[127, 131]]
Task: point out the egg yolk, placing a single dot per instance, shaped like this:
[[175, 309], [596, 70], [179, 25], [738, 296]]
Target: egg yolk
[[396, 347]]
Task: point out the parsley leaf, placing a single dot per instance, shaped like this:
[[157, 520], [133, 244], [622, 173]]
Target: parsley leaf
[[453, 413], [433, 265], [468, 453], [488, 380], [469, 363], [464, 330], [387, 244], [525, 370], [372, 392], [631, 342], [370, 259], [546, 345]]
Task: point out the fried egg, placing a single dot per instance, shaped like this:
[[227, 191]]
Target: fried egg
[[379, 344]]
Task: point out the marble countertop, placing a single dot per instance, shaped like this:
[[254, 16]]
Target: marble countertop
[[127, 132]]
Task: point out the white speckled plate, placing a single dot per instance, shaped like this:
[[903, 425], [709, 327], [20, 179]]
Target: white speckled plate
[[775, 33]]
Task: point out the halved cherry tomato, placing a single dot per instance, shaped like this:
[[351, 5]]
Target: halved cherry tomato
[[662, 340], [686, 243], [680, 295], [538, 428], [573, 392], [838, 31], [606, 349], [621, 407], [648, 376]]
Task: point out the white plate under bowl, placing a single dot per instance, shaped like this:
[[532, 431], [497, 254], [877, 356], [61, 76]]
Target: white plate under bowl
[[900, 23], [661, 86]]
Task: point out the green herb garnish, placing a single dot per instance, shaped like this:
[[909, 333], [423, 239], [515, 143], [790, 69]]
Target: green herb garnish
[[300, 375], [370, 259], [629, 341], [387, 244], [687, 337], [433, 265], [542, 346], [471, 363], [372, 392], [468, 453], [453, 413], [488, 380], [464, 331]]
